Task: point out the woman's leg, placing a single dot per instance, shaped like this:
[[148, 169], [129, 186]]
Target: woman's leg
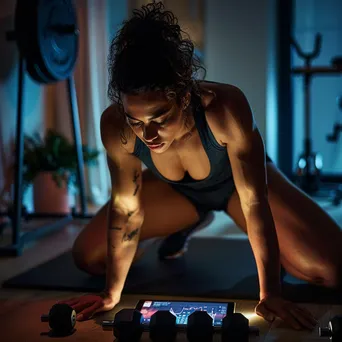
[[166, 212], [310, 240]]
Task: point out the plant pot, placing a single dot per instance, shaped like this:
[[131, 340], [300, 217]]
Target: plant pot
[[48, 197]]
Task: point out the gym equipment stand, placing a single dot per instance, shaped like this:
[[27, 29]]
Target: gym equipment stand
[[18, 239], [311, 182]]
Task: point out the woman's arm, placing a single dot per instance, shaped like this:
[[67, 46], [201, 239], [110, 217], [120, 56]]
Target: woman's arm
[[247, 156], [125, 212]]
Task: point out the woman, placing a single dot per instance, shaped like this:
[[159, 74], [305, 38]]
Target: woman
[[204, 152]]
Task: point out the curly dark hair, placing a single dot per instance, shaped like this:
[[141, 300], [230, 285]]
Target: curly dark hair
[[149, 54]]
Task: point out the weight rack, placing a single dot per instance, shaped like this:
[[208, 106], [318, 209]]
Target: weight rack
[[330, 186], [19, 239]]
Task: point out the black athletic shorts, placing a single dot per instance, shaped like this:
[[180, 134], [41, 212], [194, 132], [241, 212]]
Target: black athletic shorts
[[214, 200]]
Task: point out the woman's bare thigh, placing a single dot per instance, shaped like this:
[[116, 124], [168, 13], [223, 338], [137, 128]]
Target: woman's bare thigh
[[309, 239], [166, 212]]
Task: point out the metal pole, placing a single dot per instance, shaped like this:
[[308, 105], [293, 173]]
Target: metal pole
[[78, 141], [19, 156]]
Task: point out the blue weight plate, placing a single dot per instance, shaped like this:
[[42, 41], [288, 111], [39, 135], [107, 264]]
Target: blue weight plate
[[57, 38], [47, 37]]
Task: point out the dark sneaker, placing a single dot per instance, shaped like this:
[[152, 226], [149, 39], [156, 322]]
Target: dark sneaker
[[175, 245]]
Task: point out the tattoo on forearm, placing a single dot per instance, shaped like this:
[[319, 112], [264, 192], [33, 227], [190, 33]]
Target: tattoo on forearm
[[135, 181], [115, 228], [136, 190], [136, 176], [131, 235]]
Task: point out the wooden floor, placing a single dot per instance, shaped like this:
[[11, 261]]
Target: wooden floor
[[20, 310]]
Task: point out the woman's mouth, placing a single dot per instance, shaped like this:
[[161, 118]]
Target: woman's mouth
[[155, 146]]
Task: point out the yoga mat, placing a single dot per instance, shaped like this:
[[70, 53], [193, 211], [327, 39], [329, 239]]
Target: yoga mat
[[212, 267]]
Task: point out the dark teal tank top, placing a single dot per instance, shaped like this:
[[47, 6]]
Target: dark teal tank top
[[211, 193]]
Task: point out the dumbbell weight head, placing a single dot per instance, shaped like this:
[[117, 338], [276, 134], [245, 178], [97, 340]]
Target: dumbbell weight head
[[61, 318], [200, 327], [334, 331], [127, 325], [163, 326], [235, 328]]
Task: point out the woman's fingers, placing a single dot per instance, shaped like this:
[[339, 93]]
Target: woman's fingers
[[88, 312], [273, 310], [308, 314], [266, 314], [305, 318], [79, 307], [288, 318]]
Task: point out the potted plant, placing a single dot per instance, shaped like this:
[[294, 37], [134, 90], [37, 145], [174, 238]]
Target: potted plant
[[50, 165]]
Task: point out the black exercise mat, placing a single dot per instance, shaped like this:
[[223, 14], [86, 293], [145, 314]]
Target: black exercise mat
[[212, 267]]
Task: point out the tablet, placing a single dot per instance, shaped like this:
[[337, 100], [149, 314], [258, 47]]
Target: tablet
[[183, 309]]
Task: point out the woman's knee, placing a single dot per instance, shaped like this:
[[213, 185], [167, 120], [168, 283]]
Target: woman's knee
[[333, 276], [95, 265], [88, 264], [90, 260], [329, 276], [89, 249]]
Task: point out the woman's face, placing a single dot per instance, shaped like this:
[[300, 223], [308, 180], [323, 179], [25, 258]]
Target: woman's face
[[155, 119]]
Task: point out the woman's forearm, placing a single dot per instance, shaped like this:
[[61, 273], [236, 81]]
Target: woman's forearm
[[122, 241], [264, 242]]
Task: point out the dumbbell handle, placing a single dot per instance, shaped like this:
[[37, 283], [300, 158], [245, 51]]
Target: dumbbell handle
[[44, 318], [107, 323], [324, 332]]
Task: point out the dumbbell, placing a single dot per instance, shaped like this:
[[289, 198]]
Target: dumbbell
[[127, 326], [235, 328], [163, 326], [334, 330], [61, 318], [200, 327]]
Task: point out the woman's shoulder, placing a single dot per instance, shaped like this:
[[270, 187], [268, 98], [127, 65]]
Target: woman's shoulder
[[115, 131], [221, 103], [223, 93]]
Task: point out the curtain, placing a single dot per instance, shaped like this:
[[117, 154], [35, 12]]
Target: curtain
[[98, 21]]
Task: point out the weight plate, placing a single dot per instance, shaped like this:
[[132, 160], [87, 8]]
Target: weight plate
[[57, 36], [36, 74], [47, 37]]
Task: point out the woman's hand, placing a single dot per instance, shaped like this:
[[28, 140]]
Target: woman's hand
[[298, 318], [88, 305]]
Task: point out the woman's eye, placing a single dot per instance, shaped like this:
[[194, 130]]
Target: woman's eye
[[163, 122], [137, 124]]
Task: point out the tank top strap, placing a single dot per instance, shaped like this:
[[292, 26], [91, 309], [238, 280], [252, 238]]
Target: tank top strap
[[207, 137]]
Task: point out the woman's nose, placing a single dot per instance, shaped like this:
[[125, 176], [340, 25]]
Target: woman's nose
[[150, 133]]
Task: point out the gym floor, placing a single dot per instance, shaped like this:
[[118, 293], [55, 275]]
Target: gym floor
[[20, 310]]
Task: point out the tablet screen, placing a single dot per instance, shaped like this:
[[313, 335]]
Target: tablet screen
[[182, 310]]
